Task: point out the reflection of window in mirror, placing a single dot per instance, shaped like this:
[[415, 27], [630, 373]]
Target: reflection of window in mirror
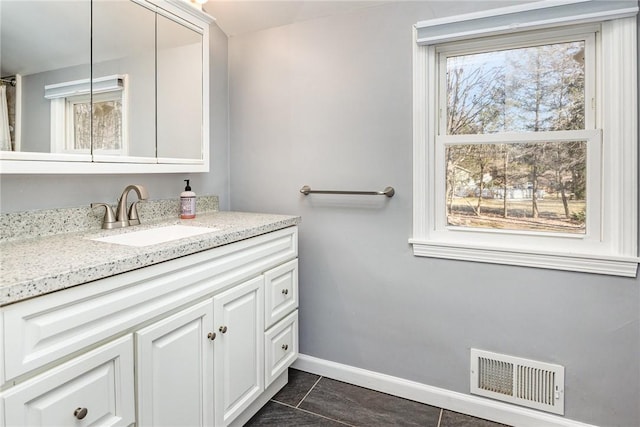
[[85, 119], [107, 123]]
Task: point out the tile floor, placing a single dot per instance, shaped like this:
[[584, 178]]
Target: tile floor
[[312, 400]]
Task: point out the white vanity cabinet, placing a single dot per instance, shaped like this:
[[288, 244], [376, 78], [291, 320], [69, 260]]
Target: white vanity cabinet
[[183, 342]]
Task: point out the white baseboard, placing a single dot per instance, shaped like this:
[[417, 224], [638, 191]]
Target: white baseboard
[[459, 402]]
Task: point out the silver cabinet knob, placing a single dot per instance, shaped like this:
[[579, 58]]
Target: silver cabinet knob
[[285, 291], [211, 336], [285, 347], [80, 413], [223, 329]]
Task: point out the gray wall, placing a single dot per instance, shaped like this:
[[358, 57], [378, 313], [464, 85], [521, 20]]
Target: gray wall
[[27, 192], [328, 103]]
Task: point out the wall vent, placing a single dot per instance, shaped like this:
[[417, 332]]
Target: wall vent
[[524, 382]]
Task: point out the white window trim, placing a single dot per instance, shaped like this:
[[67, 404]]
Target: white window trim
[[529, 16], [616, 249]]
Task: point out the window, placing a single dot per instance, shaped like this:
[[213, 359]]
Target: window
[[511, 132], [525, 142], [89, 117]]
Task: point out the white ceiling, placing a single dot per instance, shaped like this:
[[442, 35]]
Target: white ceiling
[[236, 17]]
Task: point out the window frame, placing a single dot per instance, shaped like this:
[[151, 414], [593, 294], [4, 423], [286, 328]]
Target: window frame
[[591, 134], [610, 246]]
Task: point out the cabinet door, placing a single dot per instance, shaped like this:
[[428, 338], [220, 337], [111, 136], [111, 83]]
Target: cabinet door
[[175, 374], [239, 349], [93, 389]]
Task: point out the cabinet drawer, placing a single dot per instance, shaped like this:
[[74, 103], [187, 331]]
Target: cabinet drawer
[[281, 347], [281, 292], [100, 382]]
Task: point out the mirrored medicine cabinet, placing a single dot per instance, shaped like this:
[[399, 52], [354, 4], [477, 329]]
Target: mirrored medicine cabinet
[[103, 86]]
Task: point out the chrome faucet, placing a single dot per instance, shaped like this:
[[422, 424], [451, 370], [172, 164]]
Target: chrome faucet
[[122, 218]]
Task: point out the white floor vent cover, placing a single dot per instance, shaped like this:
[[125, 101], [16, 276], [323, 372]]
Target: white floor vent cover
[[524, 382]]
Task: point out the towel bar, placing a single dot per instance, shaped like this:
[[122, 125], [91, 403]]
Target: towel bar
[[389, 192]]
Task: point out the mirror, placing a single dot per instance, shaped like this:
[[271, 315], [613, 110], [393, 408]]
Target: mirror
[[123, 84], [41, 43], [180, 77], [124, 122]]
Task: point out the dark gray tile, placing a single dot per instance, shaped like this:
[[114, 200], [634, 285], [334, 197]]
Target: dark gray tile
[[363, 407], [455, 419], [299, 384], [275, 414]]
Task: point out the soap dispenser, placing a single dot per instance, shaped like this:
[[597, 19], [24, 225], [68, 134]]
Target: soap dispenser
[[187, 202]]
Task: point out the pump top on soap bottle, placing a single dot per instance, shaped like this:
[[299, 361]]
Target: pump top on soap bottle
[[187, 202]]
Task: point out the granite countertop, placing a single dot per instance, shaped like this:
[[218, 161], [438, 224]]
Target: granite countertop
[[37, 266]]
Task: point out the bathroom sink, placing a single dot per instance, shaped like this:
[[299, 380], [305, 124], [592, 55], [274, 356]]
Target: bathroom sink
[[153, 236]]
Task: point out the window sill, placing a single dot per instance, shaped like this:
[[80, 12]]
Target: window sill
[[597, 264]]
